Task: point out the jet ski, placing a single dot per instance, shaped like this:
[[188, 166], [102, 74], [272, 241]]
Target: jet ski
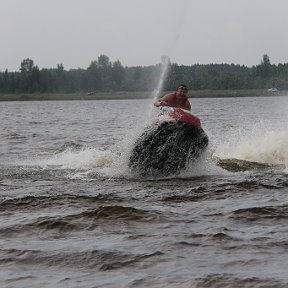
[[174, 139]]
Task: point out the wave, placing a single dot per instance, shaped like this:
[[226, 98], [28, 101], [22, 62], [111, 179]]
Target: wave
[[58, 226], [36, 202], [258, 213], [101, 260], [230, 280], [84, 159], [268, 147], [116, 213], [216, 280], [237, 165]]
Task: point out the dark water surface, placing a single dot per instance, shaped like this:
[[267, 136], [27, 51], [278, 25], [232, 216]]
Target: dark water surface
[[74, 215]]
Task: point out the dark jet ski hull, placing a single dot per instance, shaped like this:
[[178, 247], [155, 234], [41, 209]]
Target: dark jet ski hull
[[165, 148]]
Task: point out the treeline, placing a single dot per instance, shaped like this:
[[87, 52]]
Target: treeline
[[104, 75]]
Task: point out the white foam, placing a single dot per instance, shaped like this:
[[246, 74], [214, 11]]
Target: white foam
[[269, 147], [203, 166], [85, 159]]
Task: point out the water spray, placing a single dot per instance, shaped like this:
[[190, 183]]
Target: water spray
[[165, 61], [164, 67]]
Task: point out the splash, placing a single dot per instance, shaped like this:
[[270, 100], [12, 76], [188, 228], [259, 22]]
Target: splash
[[269, 147], [89, 164], [165, 62], [164, 68], [84, 159]]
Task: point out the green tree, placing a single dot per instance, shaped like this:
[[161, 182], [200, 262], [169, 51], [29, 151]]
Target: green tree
[[26, 66], [265, 60], [28, 74], [118, 75], [93, 76], [264, 69], [105, 72]]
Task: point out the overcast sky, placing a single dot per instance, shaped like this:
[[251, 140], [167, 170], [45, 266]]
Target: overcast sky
[[139, 32]]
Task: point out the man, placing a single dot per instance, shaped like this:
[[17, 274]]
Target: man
[[176, 99]]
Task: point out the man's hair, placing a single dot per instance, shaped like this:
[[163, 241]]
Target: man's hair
[[183, 85]]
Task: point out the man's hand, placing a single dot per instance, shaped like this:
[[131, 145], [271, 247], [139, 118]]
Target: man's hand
[[163, 103]]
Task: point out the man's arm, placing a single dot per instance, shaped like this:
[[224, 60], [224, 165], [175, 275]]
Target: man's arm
[[164, 101], [187, 105]]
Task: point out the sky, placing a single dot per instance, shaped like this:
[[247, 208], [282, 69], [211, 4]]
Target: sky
[[139, 32]]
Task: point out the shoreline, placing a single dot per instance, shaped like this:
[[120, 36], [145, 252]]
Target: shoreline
[[122, 95]]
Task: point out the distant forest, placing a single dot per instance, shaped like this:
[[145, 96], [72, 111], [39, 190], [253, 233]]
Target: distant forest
[[102, 75]]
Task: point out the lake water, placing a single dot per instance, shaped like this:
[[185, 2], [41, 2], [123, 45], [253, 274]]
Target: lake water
[[74, 215]]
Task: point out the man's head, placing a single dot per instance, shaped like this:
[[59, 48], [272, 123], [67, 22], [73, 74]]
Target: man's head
[[182, 89]]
